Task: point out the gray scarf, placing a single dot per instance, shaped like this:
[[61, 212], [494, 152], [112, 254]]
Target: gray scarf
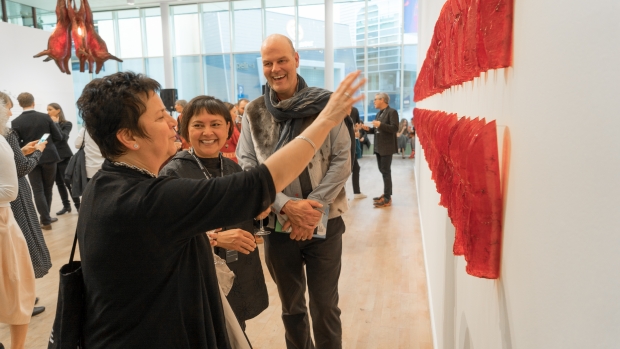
[[307, 102]]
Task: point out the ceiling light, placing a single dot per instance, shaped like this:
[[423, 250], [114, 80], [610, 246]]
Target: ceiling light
[[130, 2]]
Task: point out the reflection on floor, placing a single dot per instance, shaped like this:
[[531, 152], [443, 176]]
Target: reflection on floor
[[383, 292]]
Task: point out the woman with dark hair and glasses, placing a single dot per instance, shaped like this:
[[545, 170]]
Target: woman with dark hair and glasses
[[208, 126], [148, 267], [64, 151]]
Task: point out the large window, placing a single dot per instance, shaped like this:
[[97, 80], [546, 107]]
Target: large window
[[216, 45]]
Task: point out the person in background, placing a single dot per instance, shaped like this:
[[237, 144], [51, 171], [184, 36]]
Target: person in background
[[402, 137], [179, 105], [412, 139], [93, 156], [299, 259], [384, 128], [355, 173], [148, 268], [64, 151], [208, 119], [17, 284], [26, 160], [240, 110], [230, 147], [30, 126]]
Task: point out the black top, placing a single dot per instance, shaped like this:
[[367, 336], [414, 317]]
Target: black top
[[30, 126], [148, 268], [64, 150], [248, 296], [355, 116], [385, 134]]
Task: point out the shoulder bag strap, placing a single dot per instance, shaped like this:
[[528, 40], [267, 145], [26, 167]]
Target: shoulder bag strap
[[73, 248]]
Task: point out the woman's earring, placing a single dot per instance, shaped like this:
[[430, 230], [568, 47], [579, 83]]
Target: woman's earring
[[135, 146]]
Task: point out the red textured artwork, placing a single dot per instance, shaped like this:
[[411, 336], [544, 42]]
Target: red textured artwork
[[77, 25], [470, 37], [463, 157]]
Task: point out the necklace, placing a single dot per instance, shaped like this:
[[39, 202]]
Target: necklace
[[136, 168], [204, 170]]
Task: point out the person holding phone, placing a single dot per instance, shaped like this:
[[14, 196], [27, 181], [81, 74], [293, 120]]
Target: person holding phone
[[54, 110], [32, 125]]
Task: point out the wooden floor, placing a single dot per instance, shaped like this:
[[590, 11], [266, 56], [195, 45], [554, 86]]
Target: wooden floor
[[383, 292]]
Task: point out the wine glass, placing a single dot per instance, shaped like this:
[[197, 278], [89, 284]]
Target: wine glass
[[261, 231]]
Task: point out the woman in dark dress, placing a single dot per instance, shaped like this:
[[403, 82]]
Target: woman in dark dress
[[207, 118], [147, 263], [23, 208], [55, 112]]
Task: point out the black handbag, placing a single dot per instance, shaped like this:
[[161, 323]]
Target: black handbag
[[75, 175], [67, 328]]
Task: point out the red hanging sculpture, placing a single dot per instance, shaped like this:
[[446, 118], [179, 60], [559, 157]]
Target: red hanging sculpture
[[463, 157], [470, 37], [77, 25]]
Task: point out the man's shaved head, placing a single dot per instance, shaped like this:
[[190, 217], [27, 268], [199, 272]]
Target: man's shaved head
[[278, 39]]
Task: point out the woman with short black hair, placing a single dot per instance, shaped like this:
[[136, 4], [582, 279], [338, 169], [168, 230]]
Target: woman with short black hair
[[148, 269], [64, 151]]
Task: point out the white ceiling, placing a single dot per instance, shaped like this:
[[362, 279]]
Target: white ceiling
[[100, 5]]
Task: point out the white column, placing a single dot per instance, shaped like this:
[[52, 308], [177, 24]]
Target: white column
[[165, 28], [329, 45]]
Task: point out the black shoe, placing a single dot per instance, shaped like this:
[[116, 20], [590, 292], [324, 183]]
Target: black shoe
[[46, 226], [37, 310], [378, 198], [66, 209], [53, 220], [383, 203], [36, 300]]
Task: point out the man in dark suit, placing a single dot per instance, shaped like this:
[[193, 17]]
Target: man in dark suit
[[30, 126], [385, 127]]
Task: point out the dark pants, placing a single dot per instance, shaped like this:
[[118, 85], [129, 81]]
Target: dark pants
[[42, 182], [285, 259], [61, 167], [385, 167], [355, 177]]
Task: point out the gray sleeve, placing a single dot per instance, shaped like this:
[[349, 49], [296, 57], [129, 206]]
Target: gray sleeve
[[339, 167], [246, 155]]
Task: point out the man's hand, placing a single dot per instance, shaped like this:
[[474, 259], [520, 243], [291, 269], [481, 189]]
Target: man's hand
[[299, 233], [366, 128], [376, 123], [30, 148], [302, 213], [234, 239]]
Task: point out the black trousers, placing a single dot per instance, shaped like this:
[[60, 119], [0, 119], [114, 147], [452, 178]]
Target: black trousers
[[385, 167], [61, 167], [42, 182], [285, 259], [355, 177]]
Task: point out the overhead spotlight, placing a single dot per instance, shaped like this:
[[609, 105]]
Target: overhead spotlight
[[130, 2]]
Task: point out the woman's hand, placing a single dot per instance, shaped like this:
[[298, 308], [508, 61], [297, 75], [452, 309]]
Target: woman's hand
[[234, 239], [40, 146], [30, 148], [263, 214], [341, 101]]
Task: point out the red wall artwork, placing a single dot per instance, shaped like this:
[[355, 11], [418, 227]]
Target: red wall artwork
[[463, 157], [77, 25], [470, 37]]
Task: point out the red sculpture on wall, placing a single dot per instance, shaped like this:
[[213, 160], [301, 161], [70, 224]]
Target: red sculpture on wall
[[470, 37], [77, 25], [463, 157]]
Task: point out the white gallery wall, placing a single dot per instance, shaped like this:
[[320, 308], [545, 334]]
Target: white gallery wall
[[560, 105], [19, 72]]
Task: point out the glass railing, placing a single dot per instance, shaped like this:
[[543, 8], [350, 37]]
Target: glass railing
[[27, 16]]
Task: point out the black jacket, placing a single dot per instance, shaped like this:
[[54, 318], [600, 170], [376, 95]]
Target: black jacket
[[385, 135], [30, 126], [249, 280], [64, 150]]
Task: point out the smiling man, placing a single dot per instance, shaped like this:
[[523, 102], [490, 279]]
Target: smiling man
[[271, 121]]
